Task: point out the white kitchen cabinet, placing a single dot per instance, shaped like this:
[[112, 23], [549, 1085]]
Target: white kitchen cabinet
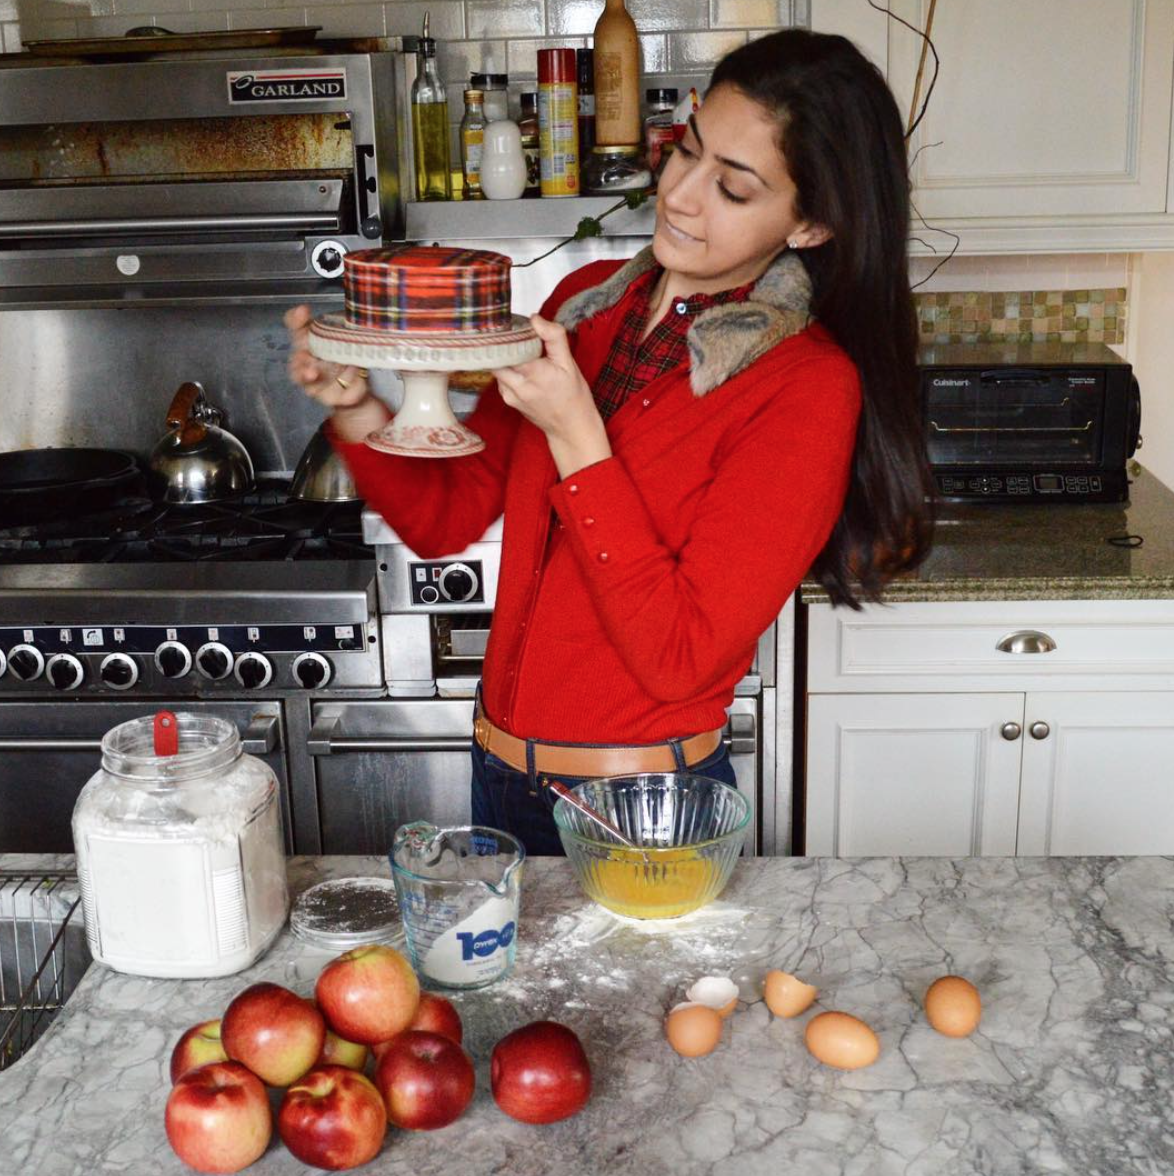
[[925, 737], [1053, 108], [1100, 779], [893, 774]]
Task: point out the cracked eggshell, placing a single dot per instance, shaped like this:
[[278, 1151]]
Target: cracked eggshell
[[717, 992], [787, 995], [693, 1030]]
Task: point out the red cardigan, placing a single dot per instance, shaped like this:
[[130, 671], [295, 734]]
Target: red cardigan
[[630, 612]]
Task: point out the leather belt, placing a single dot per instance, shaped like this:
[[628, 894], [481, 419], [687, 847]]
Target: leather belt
[[578, 759]]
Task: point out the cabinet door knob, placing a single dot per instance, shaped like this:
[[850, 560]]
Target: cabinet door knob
[[1010, 731], [1026, 641], [1040, 730]]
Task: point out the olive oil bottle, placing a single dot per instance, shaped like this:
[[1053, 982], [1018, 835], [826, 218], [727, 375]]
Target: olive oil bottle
[[430, 125]]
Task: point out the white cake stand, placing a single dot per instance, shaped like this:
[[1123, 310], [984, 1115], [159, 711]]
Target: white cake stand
[[425, 425]]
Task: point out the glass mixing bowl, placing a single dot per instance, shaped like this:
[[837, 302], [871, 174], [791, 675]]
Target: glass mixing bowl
[[692, 829]]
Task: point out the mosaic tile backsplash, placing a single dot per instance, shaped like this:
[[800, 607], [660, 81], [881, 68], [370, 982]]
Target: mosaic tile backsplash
[[1024, 316]]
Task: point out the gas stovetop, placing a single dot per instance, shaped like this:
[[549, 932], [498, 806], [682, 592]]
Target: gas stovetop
[[264, 524], [147, 599]]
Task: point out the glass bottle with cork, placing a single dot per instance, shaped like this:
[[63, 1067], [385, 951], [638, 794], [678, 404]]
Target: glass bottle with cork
[[585, 62], [430, 125], [472, 143], [617, 78]]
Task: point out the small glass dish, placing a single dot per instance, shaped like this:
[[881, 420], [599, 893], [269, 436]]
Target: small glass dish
[[690, 827], [342, 913]]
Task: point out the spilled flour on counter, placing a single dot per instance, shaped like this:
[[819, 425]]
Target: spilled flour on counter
[[592, 949]]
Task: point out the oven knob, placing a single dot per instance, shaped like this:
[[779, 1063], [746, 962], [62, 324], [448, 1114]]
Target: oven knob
[[312, 670], [326, 258], [65, 671], [3, 663], [25, 662], [253, 670], [173, 660], [214, 660], [119, 671], [458, 583]]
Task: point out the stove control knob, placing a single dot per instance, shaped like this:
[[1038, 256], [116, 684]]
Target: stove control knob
[[312, 671], [173, 660], [65, 671], [214, 660], [458, 583], [3, 663], [119, 671], [253, 670], [25, 662]]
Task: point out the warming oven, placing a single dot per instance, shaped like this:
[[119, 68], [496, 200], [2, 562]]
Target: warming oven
[[135, 178], [1029, 422]]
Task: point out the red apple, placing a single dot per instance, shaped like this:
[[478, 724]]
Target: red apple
[[426, 1080], [540, 1073], [435, 1014], [336, 1051], [200, 1045], [274, 1032], [332, 1118], [368, 994], [218, 1118]]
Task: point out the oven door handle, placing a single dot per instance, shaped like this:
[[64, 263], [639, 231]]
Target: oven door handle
[[50, 744], [305, 222], [323, 741], [260, 736]]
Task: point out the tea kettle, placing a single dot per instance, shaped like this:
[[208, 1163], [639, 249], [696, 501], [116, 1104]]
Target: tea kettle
[[198, 461]]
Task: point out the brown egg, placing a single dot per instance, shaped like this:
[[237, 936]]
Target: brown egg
[[693, 1030], [787, 995], [840, 1040], [953, 1006]]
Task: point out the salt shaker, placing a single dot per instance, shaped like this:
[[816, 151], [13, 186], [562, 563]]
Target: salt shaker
[[503, 162]]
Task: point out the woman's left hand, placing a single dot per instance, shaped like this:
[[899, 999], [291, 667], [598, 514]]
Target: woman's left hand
[[552, 394]]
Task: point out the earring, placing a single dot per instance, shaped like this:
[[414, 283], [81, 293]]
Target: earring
[[792, 245]]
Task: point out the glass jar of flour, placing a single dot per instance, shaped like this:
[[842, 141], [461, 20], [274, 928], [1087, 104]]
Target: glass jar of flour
[[179, 850]]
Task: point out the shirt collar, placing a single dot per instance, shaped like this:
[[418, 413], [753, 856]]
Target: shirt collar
[[692, 304]]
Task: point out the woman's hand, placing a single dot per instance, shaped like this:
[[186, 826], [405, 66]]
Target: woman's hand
[[551, 393], [346, 390]]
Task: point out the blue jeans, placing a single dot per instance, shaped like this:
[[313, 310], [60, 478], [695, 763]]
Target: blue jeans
[[503, 798]]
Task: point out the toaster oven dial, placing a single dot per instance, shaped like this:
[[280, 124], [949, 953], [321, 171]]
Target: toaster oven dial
[[312, 671], [118, 671], [458, 583], [253, 670], [173, 660], [25, 662], [64, 671], [326, 258], [214, 660]]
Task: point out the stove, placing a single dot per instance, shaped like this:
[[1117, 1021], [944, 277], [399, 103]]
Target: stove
[[143, 599]]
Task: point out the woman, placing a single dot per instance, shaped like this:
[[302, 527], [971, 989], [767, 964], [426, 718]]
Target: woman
[[732, 407]]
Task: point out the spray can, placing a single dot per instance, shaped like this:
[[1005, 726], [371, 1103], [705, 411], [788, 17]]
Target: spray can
[[558, 122]]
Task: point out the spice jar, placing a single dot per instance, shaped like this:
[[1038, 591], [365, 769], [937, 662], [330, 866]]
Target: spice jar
[[615, 169], [658, 126], [179, 850], [472, 141]]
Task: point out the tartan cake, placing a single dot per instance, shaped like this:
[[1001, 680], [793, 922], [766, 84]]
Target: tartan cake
[[428, 288]]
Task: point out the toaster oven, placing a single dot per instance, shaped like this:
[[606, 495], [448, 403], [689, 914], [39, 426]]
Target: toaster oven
[[1035, 422]]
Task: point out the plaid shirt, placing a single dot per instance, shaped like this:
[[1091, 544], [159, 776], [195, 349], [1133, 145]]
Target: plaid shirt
[[633, 362]]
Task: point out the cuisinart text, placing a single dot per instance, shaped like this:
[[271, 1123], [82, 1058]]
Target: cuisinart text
[[287, 85]]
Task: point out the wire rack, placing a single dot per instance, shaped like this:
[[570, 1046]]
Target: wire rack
[[42, 955]]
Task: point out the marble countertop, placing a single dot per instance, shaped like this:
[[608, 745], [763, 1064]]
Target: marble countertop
[[1069, 1071], [1046, 552]]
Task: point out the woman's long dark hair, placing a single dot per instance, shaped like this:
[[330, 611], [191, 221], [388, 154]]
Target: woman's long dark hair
[[840, 134]]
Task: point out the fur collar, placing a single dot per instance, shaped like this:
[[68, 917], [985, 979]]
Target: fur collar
[[723, 340]]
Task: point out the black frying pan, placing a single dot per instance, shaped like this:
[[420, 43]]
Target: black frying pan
[[38, 484]]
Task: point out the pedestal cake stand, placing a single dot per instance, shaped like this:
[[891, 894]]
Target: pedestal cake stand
[[425, 425]]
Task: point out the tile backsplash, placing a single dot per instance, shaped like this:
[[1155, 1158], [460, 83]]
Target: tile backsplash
[[1024, 316]]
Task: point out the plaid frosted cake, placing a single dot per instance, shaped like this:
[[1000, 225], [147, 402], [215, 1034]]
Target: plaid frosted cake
[[428, 288]]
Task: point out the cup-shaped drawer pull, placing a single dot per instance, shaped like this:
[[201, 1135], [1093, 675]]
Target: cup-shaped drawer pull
[[1026, 641]]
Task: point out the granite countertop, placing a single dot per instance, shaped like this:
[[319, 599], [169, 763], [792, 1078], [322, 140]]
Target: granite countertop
[[1068, 1072], [1046, 552]]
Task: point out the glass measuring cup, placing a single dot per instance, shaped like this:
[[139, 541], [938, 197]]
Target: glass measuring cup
[[459, 892]]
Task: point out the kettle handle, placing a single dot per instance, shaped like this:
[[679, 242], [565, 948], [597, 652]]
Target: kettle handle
[[179, 415]]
